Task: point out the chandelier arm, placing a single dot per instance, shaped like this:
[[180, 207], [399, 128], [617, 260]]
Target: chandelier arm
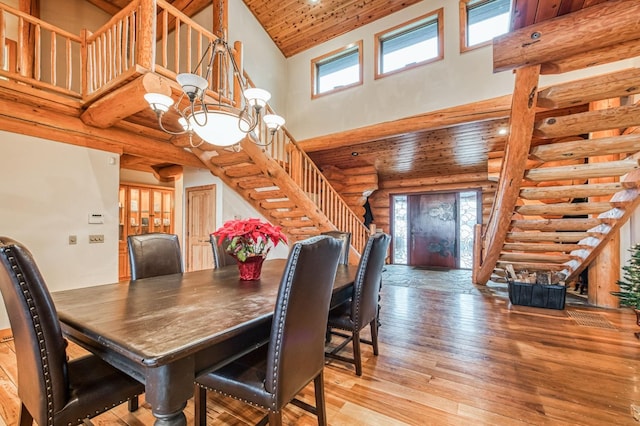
[[160, 114], [203, 107]]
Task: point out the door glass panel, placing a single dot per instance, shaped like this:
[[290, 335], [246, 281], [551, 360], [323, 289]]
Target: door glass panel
[[144, 210]]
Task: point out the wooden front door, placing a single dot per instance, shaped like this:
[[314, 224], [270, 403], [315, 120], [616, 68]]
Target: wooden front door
[[433, 230], [201, 222]]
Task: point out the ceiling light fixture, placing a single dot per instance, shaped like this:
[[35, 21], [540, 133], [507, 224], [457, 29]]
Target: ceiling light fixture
[[219, 123]]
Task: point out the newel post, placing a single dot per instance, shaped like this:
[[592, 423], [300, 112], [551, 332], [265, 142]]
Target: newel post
[[146, 30]]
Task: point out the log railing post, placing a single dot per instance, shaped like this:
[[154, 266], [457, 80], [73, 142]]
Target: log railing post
[[146, 27]]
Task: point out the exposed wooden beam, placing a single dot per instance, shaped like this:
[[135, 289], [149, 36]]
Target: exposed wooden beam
[[552, 39], [125, 101], [479, 111], [33, 121]]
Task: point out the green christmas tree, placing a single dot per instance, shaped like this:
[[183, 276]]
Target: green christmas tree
[[629, 293]]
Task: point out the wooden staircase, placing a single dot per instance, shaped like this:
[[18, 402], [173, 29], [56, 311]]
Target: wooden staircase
[[280, 181], [569, 175]]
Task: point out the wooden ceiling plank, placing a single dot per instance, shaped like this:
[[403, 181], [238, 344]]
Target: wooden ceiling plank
[[553, 39]]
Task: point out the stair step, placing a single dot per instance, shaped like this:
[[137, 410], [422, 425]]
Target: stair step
[[556, 224], [254, 182], [575, 191], [226, 158], [541, 247], [272, 205], [267, 195], [582, 171], [242, 170], [569, 237], [296, 223], [284, 214], [564, 209], [306, 232], [533, 266], [535, 257], [587, 148]]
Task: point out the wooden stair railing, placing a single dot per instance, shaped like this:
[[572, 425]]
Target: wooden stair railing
[[542, 218]]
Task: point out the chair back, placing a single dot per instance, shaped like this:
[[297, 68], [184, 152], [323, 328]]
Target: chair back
[[296, 347], [345, 239], [154, 254], [43, 384], [366, 287], [220, 256]]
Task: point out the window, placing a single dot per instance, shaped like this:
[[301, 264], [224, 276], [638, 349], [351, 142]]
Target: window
[[337, 70], [408, 45], [481, 21]]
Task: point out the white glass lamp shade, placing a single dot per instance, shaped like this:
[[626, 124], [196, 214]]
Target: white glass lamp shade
[[158, 102], [257, 98], [273, 121], [183, 123], [220, 128], [193, 85]]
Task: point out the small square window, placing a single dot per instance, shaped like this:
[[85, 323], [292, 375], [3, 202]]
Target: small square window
[[411, 44], [482, 20], [337, 70]]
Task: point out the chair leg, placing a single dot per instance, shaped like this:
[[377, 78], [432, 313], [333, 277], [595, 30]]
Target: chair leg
[[357, 359], [275, 419], [321, 410], [200, 405], [133, 404], [26, 419], [374, 335]]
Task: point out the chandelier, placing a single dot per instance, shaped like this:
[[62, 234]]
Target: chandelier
[[219, 123]]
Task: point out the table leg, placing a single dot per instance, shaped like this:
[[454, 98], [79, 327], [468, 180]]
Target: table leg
[[167, 389]]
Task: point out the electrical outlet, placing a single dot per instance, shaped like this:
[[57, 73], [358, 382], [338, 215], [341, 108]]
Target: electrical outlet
[[73, 239], [96, 239]]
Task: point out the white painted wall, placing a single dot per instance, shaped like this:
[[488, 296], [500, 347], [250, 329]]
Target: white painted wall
[[47, 192]]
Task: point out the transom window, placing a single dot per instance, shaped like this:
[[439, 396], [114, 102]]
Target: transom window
[[408, 45], [337, 70], [482, 20]]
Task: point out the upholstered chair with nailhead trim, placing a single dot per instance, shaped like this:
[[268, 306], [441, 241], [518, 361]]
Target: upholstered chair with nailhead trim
[[154, 254], [345, 239], [272, 375], [362, 310], [220, 256], [53, 391]]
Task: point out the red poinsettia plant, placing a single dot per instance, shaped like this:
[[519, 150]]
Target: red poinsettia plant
[[249, 237]]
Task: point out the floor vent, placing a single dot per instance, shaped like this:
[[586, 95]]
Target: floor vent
[[589, 319]]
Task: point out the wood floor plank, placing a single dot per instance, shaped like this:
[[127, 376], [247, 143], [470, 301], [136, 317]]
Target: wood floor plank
[[451, 353]]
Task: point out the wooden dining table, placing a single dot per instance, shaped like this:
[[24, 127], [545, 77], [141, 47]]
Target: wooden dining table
[[166, 330]]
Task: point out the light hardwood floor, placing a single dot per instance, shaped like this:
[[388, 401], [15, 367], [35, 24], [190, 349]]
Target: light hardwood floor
[[453, 354]]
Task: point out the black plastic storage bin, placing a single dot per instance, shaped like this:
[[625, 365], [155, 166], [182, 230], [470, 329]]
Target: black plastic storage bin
[[550, 296]]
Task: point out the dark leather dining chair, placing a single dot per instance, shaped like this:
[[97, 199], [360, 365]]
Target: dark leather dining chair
[[53, 391], [272, 375], [362, 310], [345, 239], [154, 254], [220, 256]]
